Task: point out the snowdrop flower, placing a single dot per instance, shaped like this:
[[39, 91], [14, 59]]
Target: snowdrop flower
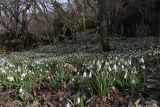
[[109, 69], [84, 74], [10, 78], [119, 63], [129, 62], [143, 67], [102, 61], [19, 69], [122, 60], [122, 67], [93, 61], [115, 67], [11, 65], [65, 65], [7, 67], [49, 77], [73, 80], [106, 63], [110, 62], [75, 69], [116, 58], [135, 72], [23, 75], [125, 76], [68, 105], [99, 66], [141, 60], [90, 75], [21, 91], [78, 101], [125, 63], [133, 81], [3, 71]]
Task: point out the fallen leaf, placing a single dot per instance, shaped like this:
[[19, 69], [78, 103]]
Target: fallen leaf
[[9, 104], [137, 103], [36, 104], [131, 104], [71, 67]]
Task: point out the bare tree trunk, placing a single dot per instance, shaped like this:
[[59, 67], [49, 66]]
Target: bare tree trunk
[[16, 12], [158, 36], [103, 25]]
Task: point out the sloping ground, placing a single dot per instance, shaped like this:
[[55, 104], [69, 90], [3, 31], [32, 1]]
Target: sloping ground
[[45, 76], [89, 42]]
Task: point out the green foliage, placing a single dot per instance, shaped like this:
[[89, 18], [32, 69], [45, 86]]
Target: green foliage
[[100, 83], [115, 71], [59, 79]]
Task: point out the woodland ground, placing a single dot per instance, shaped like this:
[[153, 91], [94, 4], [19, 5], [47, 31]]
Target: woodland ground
[[85, 47]]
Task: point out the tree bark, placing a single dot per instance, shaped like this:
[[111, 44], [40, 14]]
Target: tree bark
[[103, 25]]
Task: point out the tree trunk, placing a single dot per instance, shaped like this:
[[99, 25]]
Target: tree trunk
[[158, 27], [103, 25]]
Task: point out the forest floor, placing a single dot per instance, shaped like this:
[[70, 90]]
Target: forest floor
[[78, 74]]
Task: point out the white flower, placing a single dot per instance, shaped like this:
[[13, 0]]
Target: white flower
[[84, 74], [49, 77], [11, 65], [98, 66], [10, 78], [122, 67], [129, 62], [23, 75], [78, 101], [102, 61], [143, 67], [116, 58], [3, 71], [19, 69], [75, 69], [122, 60], [115, 67], [141, 60], [109, 69], [125, 63], [73, 79], [125, 76], [135, 72], [68, 105], [133, 81], [106, 63], [90, 75], [21, 91], [30, 71], [93, 61], [77, 73], [110, 62], [126, 73]]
